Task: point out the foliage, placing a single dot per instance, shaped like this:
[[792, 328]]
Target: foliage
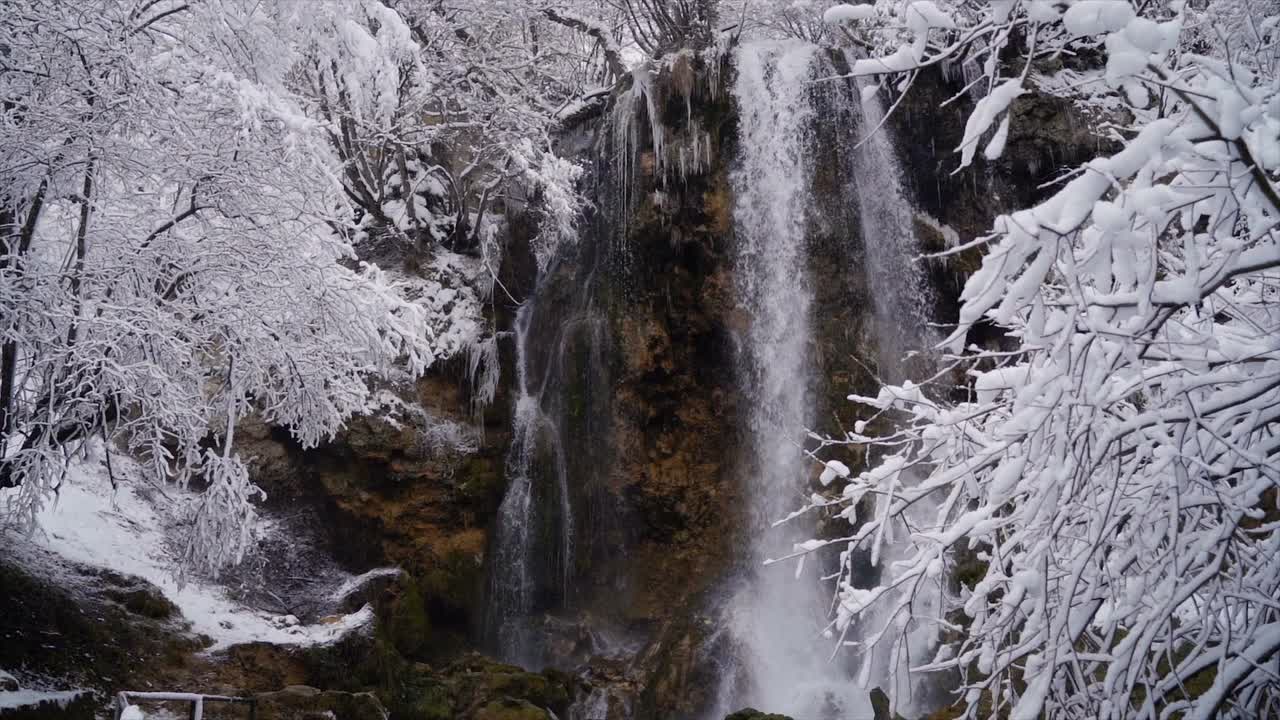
[[1117, 471], [184, 186]]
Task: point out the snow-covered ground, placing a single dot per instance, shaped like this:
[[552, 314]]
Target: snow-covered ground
[[15, 699], [131, 530]]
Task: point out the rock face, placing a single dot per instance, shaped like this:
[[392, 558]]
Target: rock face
[[631, 341], [87, 627]]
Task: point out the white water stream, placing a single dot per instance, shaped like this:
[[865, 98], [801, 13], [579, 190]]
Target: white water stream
[[777, 619], [783, 661], [514, 580]]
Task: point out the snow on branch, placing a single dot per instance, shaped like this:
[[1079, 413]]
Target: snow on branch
[[1113, 484]]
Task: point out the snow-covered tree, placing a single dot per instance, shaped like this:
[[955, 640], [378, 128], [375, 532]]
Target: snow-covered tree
[[437, 109], [1116, 474], [184, 191]]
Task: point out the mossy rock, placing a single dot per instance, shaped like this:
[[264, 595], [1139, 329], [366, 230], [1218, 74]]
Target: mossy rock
[[511, 709], [455, 578], [480, 680], [481, 482], [300, 702], [111, 630], [536, 688], [424, 697], [146, 601], [407, 624], [754, 714]]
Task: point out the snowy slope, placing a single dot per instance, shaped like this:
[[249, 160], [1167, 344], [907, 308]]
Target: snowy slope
[[130, 530]]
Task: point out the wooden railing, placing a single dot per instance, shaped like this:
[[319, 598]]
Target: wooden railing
[[126, 698]]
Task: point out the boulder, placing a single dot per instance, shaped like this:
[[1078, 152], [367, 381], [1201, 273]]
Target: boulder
[[511, 709], [300, 702], [754, 714]]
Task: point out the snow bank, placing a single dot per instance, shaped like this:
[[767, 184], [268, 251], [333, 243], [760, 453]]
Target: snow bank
[[18, 699], [357, 582], [124, 530]]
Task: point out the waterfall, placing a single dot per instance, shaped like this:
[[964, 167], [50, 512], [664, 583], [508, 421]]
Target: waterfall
[[899, 291], [778, 617], [517, 572], [901, 299]]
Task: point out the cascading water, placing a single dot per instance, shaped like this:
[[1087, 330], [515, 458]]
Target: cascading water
[[899, 292], [514, 575], [791, 132], [900, 304], [777, 619]]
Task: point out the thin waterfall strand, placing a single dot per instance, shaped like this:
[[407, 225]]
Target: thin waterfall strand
[[900, 299]]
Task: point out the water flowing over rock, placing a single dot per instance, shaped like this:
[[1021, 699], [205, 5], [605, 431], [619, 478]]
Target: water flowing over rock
[[601, 522], [777, 618]]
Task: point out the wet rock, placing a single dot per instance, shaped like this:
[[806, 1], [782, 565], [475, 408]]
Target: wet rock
[[8, 683], [146, 601], [300, 702], [87, 628], [477, 680], [753, 714], [397, 499], [511, 709], [880, 706]]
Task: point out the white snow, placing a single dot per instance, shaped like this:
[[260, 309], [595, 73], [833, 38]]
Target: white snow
[[124, 530], [26, 698], [1095, 17], [848, 13], [133, 712], [359, 581], [834, 469]]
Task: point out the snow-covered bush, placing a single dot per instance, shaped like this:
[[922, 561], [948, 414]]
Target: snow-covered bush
[[1117, 474]]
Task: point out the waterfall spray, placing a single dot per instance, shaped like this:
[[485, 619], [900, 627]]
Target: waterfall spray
[[777, 619], [901, 299], [515, 575]]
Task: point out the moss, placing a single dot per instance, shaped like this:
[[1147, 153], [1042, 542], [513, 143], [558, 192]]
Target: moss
[[480, 482], [421, 696], [477, 680], [454, 579], [538, 689], [306, 703], [408, 625], [144, 601], [511, 709]]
